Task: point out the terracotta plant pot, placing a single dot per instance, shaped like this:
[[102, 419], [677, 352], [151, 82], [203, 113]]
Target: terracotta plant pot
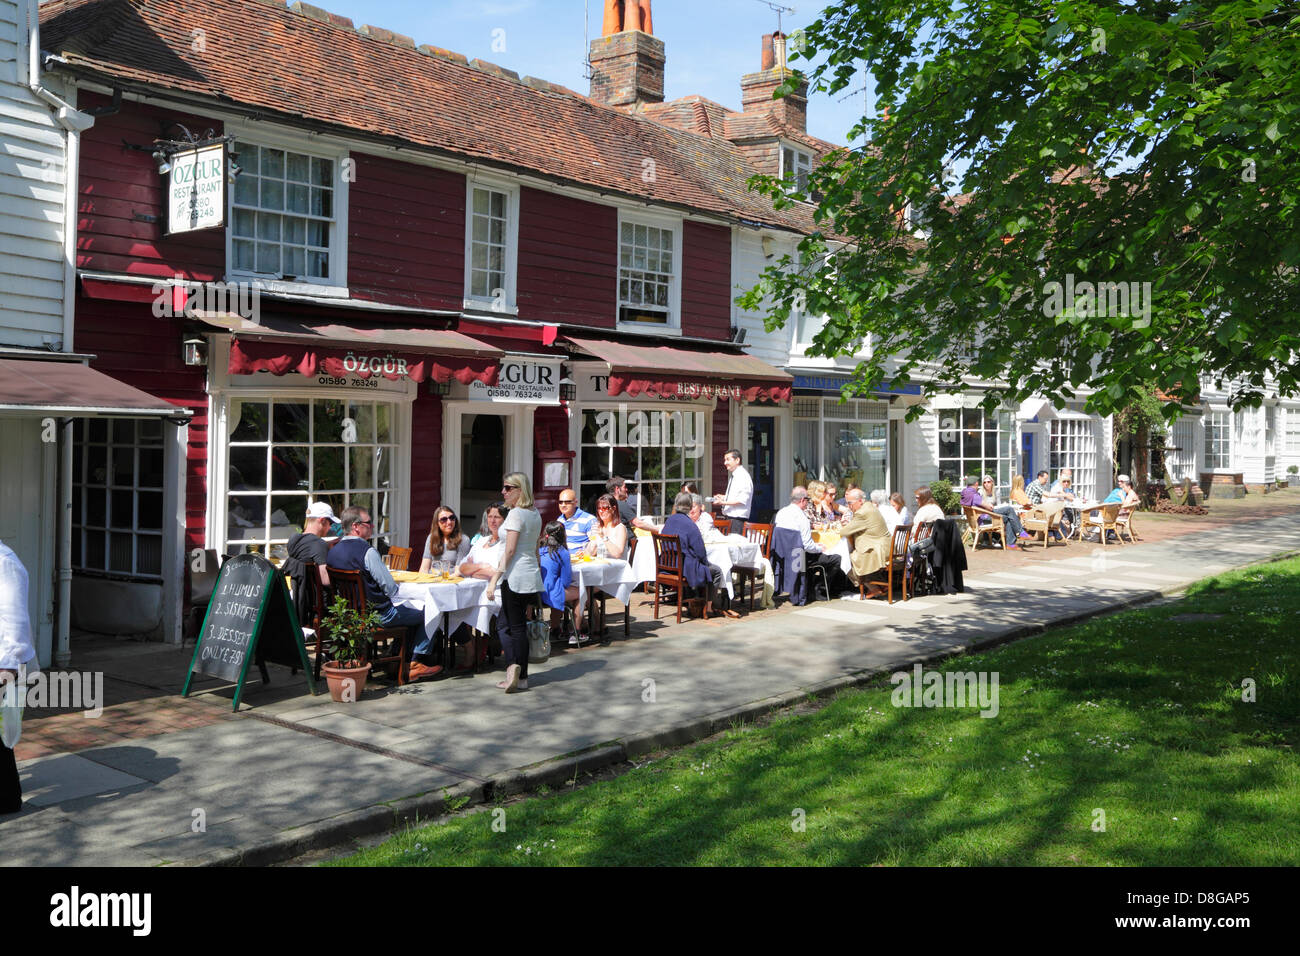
[[346, 681]]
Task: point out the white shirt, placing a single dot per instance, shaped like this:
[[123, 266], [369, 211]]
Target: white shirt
[[930, 512], [740, 488], [892, 518], [16, 646], [794, 518], [485, 553], [704, 522]]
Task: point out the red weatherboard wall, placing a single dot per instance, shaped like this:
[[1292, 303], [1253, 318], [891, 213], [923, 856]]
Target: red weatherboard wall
[[706, 281], [406, 234], [721, 442], [134, 347], [426, 468], [120, 189], [568, 260]]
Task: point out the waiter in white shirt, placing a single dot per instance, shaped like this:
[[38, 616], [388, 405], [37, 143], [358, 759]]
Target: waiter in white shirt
[[793, 517], [739, 496], [16, 652]]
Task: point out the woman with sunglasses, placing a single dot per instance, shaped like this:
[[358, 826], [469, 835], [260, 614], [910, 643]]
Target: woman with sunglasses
[[608, 538], [520, 577], [446, 548]]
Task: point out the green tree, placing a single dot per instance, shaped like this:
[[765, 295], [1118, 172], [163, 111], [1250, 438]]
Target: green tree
[[1144, 141]]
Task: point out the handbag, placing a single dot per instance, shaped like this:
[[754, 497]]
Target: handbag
[[11, 711], [539, 642]]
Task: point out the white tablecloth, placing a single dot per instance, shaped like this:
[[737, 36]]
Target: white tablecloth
[[840, 550], [463, 601], [612, 576], [726, 552]]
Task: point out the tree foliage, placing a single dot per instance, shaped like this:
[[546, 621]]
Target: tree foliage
[[1148, 143]]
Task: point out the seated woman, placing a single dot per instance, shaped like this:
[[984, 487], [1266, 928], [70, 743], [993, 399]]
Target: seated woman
[[609, 535], [900, 505], [558, 589], [485, 555], [446, 547], [1018, 496], [1010, 514], [813, 506]]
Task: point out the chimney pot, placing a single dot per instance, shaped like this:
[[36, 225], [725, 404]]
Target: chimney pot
[[778, 48], [769, 57]]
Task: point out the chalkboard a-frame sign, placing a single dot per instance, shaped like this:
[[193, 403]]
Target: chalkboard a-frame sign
[[250, 618]]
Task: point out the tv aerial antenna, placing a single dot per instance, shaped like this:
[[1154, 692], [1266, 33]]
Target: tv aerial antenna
[[779, 10]]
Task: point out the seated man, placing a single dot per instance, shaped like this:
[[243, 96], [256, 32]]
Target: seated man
[[1063, 489], [793, 517], [354, 553], [696, 569], [870, 541], [1037, 489], [577, 523]]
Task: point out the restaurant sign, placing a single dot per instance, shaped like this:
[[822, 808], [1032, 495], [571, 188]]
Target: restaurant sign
[[536, 381], [196, 189]]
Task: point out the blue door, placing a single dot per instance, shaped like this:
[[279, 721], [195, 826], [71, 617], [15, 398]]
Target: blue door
[[761, 459], [1027, 456]]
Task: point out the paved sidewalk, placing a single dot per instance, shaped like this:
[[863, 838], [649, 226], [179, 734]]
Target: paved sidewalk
[[291, 771]]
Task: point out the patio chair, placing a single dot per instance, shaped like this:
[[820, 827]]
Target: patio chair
[[789, 565], [996, 526], [397, 559], [389, 644], [1044, 520], [600, 597], [917, 575], [760, 534], [1103, 520], [668, 569], [316, 602], [897, 561], [1124, 523]]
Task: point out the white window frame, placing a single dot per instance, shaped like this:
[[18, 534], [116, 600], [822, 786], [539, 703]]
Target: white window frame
[[508, 304], [335, 285], [805, 168], [1214, 440], [830, 411], [1006, 447], [676, 225], [1072, 443], [1291, 444]]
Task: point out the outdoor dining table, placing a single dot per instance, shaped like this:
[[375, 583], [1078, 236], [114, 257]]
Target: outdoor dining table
[[614, 576], [447, 604], [832, 542], [724, 551]]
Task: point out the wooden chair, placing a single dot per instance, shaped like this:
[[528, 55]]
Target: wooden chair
[[601, 597], [398, 559], [1104, 520], [919, 533], [668, 570], [1044, 520], [316, 598], [897, 561], [760, 534], [996, 526], [349, 584]]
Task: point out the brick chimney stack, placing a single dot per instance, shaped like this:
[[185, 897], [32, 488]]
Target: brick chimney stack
[[756, 89], [627, 63]]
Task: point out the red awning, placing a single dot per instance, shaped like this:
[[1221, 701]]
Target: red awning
[[282, 345], [48, 386], [661, 371]]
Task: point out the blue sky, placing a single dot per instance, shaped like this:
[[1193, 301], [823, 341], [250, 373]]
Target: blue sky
[[710, 43]]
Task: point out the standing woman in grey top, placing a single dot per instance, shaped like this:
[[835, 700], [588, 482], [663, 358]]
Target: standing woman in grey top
[[520, 575]]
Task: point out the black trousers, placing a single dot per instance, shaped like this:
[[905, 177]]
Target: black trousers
[[738, 524], [836, 580], [11, 791], [514, 636]]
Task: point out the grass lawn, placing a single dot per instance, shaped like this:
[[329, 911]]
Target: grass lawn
[[1139, 715]]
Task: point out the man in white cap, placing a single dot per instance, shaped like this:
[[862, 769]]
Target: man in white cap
[[309, 546], [16, 652]]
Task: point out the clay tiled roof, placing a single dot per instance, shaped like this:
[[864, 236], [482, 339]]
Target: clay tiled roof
[[303, 66], [698, 114]]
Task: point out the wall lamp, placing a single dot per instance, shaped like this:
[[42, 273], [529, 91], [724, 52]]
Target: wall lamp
[[194, 350]]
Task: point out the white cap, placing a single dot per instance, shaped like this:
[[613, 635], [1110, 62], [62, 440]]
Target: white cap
[[321, 509]]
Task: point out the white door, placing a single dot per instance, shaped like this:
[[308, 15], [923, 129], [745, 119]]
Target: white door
[[25, 526]]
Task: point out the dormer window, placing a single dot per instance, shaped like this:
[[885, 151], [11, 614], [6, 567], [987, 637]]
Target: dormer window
[[796, 164]]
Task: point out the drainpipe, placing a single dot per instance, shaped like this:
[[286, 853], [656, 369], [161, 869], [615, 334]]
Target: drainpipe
[[74, 122]]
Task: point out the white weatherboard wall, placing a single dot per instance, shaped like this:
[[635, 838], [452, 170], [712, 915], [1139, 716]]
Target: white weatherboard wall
[[32, 170]]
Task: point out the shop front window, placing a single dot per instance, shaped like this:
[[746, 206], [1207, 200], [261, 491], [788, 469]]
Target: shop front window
[[974, 442], [1072, 445], [284, 454], [841, 442], [117, 497], [656, 451]]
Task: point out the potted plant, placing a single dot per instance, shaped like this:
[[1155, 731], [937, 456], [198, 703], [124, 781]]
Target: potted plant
[[348, 633], [1291, 473]]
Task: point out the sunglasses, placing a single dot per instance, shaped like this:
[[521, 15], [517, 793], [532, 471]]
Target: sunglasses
[[568, 501], [451, 518], [509, 487]]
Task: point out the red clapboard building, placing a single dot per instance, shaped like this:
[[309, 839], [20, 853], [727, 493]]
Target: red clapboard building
[[380, 274]]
